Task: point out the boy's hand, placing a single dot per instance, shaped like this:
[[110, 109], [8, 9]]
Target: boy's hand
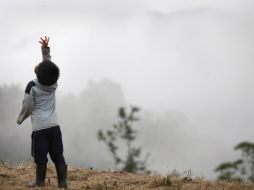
[[44, 42]]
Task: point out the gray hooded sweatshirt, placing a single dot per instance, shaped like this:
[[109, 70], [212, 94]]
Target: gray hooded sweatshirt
[[39, 102]]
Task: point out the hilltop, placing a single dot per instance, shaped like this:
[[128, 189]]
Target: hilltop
[[17, 177]]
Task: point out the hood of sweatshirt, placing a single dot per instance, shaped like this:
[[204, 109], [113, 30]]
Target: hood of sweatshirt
[[51, 88]]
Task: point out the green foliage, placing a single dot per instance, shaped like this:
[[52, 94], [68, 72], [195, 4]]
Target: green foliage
[[123, 131], [242, 168], [247, 149], [228, 170]]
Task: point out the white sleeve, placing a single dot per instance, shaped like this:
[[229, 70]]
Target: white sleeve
[[26, 110], [27, 104]]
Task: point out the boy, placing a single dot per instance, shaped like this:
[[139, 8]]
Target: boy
[[39, 102]]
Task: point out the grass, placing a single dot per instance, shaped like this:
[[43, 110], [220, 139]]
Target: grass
[[18, 176]]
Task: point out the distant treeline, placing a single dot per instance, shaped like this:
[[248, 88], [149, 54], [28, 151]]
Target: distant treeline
[[80, 117]]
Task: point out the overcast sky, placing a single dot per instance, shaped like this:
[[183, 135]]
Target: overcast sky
[[192, 56]]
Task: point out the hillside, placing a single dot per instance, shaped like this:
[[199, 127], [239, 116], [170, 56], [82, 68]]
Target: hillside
[[17, 177]]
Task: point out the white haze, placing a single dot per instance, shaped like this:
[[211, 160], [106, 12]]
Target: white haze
[[191, 57]]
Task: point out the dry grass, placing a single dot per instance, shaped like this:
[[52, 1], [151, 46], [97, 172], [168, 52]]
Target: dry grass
[[17, 177]]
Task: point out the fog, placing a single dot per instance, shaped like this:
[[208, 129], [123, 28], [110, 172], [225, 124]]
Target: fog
[[187, 64]]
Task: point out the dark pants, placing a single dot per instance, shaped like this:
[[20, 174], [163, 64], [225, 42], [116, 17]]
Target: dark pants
[[48, 141]]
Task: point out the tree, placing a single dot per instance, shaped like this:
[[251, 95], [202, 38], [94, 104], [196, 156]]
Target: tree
[[228, 170], [247, 149], [124, 133], [241, 169]]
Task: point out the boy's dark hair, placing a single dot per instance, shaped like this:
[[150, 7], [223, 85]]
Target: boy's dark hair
[[47, 73]]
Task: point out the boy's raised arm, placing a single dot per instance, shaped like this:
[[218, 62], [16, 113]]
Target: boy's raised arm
[[45, 49]]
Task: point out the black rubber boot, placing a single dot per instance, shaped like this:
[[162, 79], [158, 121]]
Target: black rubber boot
[[40, 177], [61, 171]]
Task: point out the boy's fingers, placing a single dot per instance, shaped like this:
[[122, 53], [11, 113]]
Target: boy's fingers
[[44, 42], [42, 39], [46, 39]]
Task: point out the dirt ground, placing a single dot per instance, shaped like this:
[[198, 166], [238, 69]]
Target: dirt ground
[[18, 176]]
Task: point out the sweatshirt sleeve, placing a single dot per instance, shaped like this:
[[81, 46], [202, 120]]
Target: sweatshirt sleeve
[[46, 54], [27, 104]]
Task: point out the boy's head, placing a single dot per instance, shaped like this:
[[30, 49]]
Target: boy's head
[[47, 73]]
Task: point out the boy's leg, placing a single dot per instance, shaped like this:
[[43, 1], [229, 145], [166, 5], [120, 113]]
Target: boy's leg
[[56, 154], [56, 146], [40, 146]]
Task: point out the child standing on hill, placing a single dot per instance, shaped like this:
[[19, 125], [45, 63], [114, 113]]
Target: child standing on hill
[[39, 102]]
